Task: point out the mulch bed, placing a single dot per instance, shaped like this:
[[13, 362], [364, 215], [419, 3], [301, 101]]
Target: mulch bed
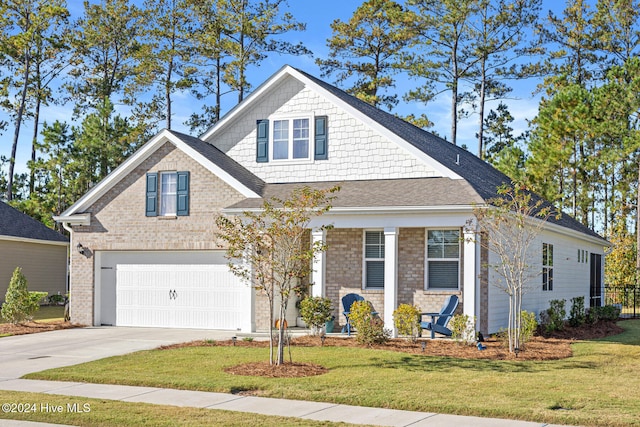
[[34, 327], [551, 347]]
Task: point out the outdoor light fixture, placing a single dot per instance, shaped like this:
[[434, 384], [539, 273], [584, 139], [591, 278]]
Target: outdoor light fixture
[[516, 351], [80, 249], [322, 337], [234, 339], [424, 345]]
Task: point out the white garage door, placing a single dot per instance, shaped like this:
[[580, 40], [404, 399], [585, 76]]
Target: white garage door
[[180, 296]]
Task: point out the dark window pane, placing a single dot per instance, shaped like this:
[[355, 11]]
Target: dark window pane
[[443, 274], [375, 274]]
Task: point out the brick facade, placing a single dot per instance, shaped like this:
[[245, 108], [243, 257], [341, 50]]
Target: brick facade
[[344, 272], [118, 222]]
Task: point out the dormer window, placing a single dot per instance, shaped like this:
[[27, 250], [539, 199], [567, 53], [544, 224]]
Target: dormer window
[[290, 139]]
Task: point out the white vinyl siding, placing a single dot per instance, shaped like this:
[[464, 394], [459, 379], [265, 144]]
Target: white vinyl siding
[[443, 259]]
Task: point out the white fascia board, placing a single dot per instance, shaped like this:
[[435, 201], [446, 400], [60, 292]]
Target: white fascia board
[[247, 102], [138, 157], [575, 234], [75, 219], [38, 241], [556, 228], [374, 210], [215, 169]]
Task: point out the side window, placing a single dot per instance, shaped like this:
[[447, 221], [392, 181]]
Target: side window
[[167, 194], [547, 267], [374, 259]]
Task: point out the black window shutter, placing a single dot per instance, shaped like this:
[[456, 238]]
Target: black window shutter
[[262, 143], [151, 202], [321, 138], [183, 194]]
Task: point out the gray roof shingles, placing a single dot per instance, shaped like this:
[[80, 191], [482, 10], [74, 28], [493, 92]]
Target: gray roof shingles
[[484, 178], [410, 192], [225, 162], [481, 179], [14, 223]]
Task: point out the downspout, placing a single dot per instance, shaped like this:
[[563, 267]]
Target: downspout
[[67, 227]]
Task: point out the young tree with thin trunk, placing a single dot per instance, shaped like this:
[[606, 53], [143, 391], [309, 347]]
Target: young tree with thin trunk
[[270, 249], [508, 227]]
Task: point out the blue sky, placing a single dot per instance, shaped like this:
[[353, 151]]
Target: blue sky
[[318, 16]]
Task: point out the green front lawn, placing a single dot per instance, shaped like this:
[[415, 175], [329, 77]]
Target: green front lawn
[[598, 386], [45, 313]]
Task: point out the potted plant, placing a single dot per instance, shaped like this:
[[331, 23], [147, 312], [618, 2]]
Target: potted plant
[[301, 291], [316, 311]]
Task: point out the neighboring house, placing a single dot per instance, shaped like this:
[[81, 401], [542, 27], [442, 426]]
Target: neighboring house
[[39, 250], [147, 231]]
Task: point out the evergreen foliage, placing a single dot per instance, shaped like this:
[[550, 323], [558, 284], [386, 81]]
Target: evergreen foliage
[[20, 304]]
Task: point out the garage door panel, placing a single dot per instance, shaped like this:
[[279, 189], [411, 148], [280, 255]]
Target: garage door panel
[[183, 296]]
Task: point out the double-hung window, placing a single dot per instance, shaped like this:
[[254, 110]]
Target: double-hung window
[[299, 139], [547, 267], [167, 194], [443, 259], [291, 139], [374, 259]]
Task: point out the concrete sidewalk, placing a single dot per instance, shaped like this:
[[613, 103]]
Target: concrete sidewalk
[[23, 354], [318, 411]]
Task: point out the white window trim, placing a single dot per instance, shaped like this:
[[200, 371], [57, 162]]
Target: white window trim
[[161, 195], [427, 259], [365, 259], [548, 267], [291, 118]]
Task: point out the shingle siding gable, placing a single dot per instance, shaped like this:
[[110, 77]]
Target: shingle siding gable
[[356, 151]]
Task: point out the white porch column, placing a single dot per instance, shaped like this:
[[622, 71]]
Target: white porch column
[[470, 248], [319, 265], [390, 277], [249, 309]]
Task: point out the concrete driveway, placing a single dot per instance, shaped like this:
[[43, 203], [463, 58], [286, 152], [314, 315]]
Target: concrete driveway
[[23, 354]]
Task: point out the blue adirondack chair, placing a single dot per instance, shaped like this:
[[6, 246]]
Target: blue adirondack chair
[[347, 300], [440, 320]]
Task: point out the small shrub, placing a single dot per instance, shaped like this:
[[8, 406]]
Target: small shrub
[[315, 311], [608, 312], [370, 327], [463, 329], [55, 299], [247, 339], [407, 320], [527, 327], [553, 318], [20, 304], [577, 314]]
